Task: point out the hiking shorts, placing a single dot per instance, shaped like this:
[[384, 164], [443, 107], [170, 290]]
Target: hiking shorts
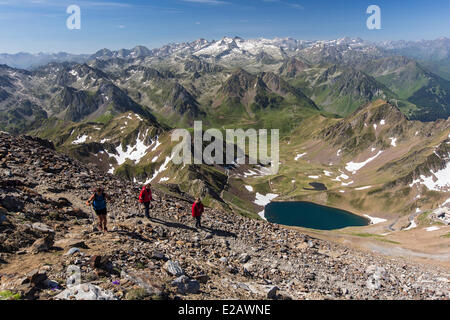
[[101, 212]]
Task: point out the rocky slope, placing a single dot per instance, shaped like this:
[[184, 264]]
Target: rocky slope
[[46, 235]]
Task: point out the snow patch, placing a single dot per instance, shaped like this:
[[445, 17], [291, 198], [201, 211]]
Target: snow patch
[[161, 169], [157, 144], [355, 166], [374, 220], [343, 176], [298, 156], [412, 225], [134, 153], [80, 140], [263, 200], [437, 181], [363, 188], [430, 229], [249, 188], [393, 142], [446, 202]]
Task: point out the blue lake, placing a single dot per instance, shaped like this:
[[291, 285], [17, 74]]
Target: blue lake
[[313, 216]]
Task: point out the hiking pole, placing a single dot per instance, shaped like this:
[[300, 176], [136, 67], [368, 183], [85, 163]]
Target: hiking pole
[[94, 227], [114, 216]]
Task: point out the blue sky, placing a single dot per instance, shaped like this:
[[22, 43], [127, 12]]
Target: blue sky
[[40, 25]]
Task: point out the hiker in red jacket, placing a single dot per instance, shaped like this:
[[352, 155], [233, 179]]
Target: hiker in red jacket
[[145, 197], [197, 210]]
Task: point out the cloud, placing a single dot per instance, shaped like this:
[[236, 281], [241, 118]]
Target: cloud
[[210, 2], [105, 4], [289, 4], [54, 3]]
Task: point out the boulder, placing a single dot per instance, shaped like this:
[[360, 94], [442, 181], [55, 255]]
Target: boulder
[[157, 255], [68, 243], [42, 244], [203, 278], [144, 280], [12, 203], [185, 285], [72, 251], [42, 227], [101, 263], [272, 292], [85, 291], [36, 277], [244, 258], [173, 268]]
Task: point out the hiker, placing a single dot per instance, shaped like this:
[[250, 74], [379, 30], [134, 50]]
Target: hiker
[[98, 201], [145, 197], [197, 210]]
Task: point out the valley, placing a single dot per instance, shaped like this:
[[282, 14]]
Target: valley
[[368, 123]]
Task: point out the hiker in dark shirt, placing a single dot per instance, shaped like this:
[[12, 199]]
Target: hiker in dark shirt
[[98, 202]]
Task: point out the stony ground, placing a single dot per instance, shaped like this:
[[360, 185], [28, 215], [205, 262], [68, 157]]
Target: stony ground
[[48, 249]]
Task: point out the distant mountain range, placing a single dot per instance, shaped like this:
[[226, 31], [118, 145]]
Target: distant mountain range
[[337, 104], [432, 50]]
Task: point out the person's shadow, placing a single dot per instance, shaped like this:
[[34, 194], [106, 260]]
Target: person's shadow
[[220, 233], [131, 234], [216, 232], [172, 224]]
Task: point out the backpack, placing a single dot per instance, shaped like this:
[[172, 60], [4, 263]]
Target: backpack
[[99, 202]]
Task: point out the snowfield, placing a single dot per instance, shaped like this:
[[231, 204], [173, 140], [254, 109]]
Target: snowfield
[[161, 169], [263, 200], [374, 220], [134, 153], [355, 166], [437, 181]]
